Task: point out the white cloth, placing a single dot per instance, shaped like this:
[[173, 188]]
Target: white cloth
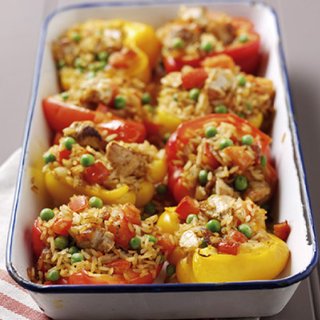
[[15, 302]]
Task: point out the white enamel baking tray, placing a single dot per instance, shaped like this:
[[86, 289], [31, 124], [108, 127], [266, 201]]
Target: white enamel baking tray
[[160, 301]]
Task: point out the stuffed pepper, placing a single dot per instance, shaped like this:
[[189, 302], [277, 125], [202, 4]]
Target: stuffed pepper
[[92, 162], [88, 242], [197, 33], [98, 99], [220, 154], [217, 87], [221, 239], [98, 46]]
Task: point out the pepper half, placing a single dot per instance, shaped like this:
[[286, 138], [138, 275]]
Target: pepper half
[[127, 47], [205, 252]]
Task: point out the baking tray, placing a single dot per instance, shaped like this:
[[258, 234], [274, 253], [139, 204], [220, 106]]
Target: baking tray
[[249, 299]]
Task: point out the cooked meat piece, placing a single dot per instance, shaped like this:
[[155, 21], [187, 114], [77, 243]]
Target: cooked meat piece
[[258, 191], [221, 26], [86, 135], [125, 161], [223, 189], [93, 238]]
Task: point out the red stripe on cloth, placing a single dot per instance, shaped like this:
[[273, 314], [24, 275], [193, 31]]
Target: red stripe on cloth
[[20, 308], [5, 276]]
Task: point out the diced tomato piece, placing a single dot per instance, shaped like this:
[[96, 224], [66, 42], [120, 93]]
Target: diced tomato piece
[[97, 173], [166, 244], [62, 227], [239, 157], [78, 203], [187, 206], [194, 78], [228, 247], [209, 158], [132, 214], [122, 59], [122, 233], [237, 236], [37, 244], [64, 154], [119, 266], [282, 230]]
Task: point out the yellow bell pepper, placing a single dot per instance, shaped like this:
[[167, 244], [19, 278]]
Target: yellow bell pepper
[[167, 122], [137, 37], [60, 189], [168, 221], [256, 120], [260, 261]]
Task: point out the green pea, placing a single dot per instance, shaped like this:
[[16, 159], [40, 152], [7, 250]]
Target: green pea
[[213, 225], [246, 230], [170, 270], [221, 108], [247, 140], [97, 66], [64, 96], [241, 183], [161, 189], [61, 64], [178, 43], [240, 115], [210, 131], [73, 250], [68, 142], [194, 94], [191, 217], [87, 160], [46, 214], [242, 81], [103, 56], [151, 238], [135, 243], [203, 177], [76, 257], [243, 38], [206, 46], [146, 98], [166, 137], [119, 102], [49, 157], [95, 202], [53, 275], [263, 161], [61, 242], [225, 142], [150, 208], [76, 36]]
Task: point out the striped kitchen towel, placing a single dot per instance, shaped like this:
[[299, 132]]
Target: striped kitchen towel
[[15, 302]]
